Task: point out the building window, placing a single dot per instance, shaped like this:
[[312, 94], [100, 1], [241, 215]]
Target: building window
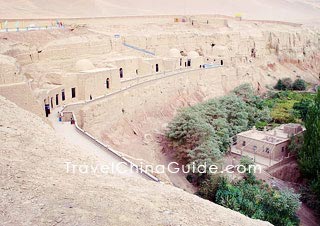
[[157, 67], [121, 72], [63, 95], [243, 143], [180, 62], [73, 92], [137, 71], [57, 99], [107, 83], [221, 62]]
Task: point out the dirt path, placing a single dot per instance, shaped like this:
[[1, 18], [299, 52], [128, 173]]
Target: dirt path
[[83, 143]]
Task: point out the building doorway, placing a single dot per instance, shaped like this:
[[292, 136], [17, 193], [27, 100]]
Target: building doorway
[[73, 92], [157, 67], [121, 72], [47, 109], [107, 83], [63, 95], [221, 62], [57, 99], [51, 100], [189, 63]]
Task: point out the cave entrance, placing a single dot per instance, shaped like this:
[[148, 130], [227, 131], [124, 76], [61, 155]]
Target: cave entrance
[[107, 83], [57, 99], [47, 109], [189, 63], [63, 95], [51, 100], [121, 72]]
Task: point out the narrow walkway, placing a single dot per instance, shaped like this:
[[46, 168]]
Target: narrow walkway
[[139, 49], [75, 137]]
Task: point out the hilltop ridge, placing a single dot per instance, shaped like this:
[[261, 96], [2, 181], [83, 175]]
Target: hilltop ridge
[[302, 11]]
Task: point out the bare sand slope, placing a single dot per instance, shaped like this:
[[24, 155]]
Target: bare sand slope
[[287, 10], [35, 188]]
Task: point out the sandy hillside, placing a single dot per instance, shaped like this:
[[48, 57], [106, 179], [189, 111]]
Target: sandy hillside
[[36, 190], [288, 10]]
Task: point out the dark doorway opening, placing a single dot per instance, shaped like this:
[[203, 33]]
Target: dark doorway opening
[[107, 83], [51, 102], [189, 63], [157, 67], [63, 95], [185, 64], [221, 62], [73, 92], [121, 72], [180, 62], [57, 99], [47, 109]]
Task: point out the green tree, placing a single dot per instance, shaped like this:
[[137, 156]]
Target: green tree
[[302, 108], [309, 156], [299, 84], [284, 84], [287, 82], [279, 85], [259, 201]]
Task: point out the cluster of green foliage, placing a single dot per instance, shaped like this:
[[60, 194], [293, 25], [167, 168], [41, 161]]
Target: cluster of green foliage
[[299, 84], [310, 198], [287, 84], [309, 156], [288, 106], [284, 84], [202, 133], [259, 201]]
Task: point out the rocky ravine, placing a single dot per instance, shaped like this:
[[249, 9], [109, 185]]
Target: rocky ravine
[[35, 188]]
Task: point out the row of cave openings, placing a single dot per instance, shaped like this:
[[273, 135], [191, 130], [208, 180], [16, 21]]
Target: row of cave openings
[[121, 73], [107, 84]]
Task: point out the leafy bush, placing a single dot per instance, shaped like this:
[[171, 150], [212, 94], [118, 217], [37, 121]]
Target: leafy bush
[[288, 106], [284, 84], [309, 156], [259, 201], [309, 197], [301, 108], [299, 84], [202, 133]]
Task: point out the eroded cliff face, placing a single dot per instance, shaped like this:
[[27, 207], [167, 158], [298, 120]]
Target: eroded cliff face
[[35, 188], [256, 52], [132, 120]]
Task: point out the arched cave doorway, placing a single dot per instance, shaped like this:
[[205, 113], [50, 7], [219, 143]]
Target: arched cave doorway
[[121, 72], [107, 83]]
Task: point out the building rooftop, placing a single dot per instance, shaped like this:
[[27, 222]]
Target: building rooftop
[[275, 136]]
